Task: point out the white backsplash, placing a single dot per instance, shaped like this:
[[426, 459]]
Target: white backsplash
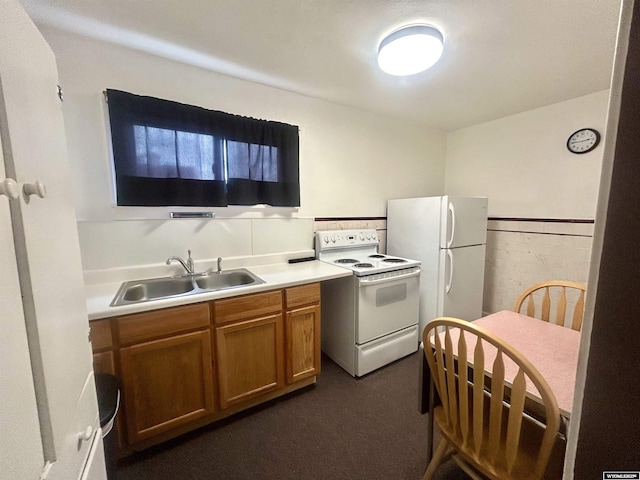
[[128, 245], [519, 253]]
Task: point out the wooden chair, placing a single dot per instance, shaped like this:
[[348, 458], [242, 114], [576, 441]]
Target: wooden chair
[[483, 422], [559, 288]]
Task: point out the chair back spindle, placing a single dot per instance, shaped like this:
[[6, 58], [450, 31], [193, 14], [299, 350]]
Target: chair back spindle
[[550, 293]]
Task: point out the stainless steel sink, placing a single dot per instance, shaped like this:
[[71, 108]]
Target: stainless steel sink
[[144, 290], [136, 291], [228, 279]]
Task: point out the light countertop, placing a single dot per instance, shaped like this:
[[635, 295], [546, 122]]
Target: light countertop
[[276, 275]]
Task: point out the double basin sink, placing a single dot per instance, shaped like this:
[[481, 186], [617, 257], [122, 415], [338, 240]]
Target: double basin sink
[[136, 291]]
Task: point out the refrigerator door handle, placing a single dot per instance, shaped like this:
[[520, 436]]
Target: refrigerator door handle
[[450, 282], [453, 224]]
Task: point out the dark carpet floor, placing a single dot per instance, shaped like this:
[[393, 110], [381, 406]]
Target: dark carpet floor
[[341, 428]]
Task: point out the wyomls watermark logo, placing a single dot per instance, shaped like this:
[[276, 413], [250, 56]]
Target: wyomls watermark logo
[[617, 475]]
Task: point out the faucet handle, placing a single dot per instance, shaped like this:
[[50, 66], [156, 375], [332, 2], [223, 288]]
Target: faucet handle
[[219, 264]]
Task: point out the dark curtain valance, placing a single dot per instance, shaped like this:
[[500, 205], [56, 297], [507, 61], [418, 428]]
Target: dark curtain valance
[[171, 154]]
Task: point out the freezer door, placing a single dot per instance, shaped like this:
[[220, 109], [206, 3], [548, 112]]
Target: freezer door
[[413, 227], [461, 289], [464, 221]]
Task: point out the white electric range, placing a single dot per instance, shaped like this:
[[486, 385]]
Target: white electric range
[[370, 318]]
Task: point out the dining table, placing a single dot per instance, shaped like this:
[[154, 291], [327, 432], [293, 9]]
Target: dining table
[[552, 349]]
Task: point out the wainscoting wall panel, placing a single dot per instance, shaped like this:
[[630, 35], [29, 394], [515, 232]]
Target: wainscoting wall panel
[[523, 252], [520, 252]]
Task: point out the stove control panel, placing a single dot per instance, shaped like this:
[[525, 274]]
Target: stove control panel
[[345, 238]]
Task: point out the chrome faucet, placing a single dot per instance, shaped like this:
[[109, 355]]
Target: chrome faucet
[[188, 265], [219, 265]]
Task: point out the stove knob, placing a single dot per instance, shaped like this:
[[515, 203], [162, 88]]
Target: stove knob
[[368, 236], [326, 239], [373, 236], [333, 238], [361, 236]]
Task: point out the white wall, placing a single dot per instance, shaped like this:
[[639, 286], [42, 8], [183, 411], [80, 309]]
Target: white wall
[[522, 164], [351, 160]]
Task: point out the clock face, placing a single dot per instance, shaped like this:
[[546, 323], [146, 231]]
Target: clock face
[[583, 141]]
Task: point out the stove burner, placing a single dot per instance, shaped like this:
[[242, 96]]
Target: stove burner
[[363, 265], [346, 260], [376, 256], [395, 260]]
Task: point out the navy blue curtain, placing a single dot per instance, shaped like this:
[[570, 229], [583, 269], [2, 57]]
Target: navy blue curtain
[[170, 154]]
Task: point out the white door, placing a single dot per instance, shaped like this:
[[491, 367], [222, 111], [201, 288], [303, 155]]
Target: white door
[[462, 282], [20, 446], [465, 221], [95, 466], [46, 242]]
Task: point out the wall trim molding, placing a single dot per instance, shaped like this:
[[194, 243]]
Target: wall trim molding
[[543, 220], [346, 219]]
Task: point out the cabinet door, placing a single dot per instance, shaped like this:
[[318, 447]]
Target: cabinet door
[[303, 343], [250, 359], [166, 383]]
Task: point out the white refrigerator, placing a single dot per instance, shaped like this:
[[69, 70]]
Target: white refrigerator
[[448, 235]]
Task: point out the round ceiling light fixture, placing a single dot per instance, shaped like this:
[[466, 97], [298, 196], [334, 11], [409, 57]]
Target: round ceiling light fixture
[[410, 50]]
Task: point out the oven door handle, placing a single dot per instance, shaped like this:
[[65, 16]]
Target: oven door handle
[[366, 282]]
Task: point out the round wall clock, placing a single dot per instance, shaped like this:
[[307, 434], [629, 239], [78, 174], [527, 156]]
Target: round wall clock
[[583, 140]]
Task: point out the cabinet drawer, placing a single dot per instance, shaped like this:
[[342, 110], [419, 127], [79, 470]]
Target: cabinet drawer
[[302, 295], [160, 323], [246, 307], [100, 334]]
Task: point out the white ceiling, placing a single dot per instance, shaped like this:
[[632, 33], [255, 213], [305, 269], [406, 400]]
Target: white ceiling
[[501, 56]]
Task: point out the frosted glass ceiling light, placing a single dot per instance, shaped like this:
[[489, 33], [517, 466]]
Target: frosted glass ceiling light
[[410, 50]]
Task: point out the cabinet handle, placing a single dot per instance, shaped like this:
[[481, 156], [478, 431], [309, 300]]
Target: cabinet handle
[[9, 187], [37, 188], [86, 434]]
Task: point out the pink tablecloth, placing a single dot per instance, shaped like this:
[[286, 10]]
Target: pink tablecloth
[[552, 349]]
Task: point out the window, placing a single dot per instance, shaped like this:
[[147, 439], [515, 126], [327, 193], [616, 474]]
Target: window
[[170, 154]]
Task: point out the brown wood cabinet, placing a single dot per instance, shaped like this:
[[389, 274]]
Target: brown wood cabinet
[[183, 367], [249, 351], [249, 355], [167, 381], [104, 361], [102, 345], [302, 332]]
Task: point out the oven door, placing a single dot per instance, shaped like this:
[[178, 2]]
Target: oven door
[[387, 302]]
